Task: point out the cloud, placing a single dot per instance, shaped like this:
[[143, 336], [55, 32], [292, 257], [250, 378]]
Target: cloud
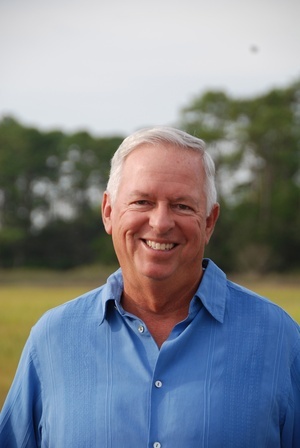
[[117, 65]]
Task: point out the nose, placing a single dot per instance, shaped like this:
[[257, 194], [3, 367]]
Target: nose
[[161, 219]]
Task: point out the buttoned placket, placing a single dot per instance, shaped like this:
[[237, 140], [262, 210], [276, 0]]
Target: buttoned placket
[[157, 363]]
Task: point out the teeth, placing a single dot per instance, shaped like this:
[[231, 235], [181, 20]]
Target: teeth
[[158, 246]]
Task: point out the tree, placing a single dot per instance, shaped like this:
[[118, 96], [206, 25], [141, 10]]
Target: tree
[[24, 155], [255, 143], [50, 184], [272, 134]]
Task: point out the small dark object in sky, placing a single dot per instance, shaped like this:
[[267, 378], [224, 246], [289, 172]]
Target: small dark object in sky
[[254, 49]]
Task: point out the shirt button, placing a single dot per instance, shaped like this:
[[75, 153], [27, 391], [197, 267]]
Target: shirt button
[[156, 445], [158, 384], [141, 329]]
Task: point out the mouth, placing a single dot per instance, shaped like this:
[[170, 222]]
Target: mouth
[[159, 246]]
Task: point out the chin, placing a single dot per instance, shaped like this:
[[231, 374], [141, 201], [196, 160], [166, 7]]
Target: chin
[[157, 275]]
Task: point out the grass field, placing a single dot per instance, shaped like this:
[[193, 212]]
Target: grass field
[[25, 296]]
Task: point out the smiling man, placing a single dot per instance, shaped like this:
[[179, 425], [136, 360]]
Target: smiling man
[[160, 226], [168, 353]]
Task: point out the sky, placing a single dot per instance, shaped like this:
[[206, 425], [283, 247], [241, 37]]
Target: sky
[[114, 66]]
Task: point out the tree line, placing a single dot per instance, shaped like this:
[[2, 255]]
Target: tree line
[[51, 185]]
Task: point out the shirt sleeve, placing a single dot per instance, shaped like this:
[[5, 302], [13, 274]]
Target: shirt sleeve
[[20, 418], [291, 427]]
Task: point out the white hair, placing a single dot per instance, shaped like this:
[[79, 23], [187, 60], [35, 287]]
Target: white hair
[[166, 135]]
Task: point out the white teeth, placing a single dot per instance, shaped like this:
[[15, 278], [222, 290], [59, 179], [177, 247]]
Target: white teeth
[[158, 246]]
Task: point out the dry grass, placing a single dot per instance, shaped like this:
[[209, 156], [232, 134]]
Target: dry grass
[[20, 308]]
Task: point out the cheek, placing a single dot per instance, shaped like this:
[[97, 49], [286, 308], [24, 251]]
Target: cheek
[[197, 227], [134, 222], [126, 227], [197, 232]]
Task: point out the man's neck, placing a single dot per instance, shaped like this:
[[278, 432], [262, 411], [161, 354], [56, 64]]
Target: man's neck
[[159, 306]]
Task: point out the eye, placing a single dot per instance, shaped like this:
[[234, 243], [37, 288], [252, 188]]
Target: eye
[[183, 207], [141, 202]]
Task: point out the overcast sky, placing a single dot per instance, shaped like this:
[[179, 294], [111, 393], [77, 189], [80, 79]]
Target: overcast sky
[[112, 66]]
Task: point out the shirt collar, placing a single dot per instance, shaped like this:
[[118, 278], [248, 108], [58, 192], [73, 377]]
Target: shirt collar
[[112, 290], [211, 291]]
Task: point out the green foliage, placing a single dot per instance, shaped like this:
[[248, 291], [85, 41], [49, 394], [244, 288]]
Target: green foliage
[[11, 246], [51, 185], [256, 145]]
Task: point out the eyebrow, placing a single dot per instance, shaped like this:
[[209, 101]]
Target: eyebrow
[[139, 193]]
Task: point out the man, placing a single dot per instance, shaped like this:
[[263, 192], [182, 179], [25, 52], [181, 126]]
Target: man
[[169, 353]]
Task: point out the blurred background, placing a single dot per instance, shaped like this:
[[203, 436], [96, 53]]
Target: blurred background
[[78, 76]]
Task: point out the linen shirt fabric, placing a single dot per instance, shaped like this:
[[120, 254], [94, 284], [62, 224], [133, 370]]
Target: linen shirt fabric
[[92, 376]]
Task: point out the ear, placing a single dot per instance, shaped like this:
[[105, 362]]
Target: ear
[[106, 212], [211, 222]]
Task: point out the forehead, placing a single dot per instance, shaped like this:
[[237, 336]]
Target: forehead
[[163, 154], [163, 164]]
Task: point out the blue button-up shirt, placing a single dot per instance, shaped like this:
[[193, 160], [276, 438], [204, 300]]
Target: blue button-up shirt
[[92, 376]]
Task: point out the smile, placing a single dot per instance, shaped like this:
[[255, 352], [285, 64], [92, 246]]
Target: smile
[[159, 246]]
